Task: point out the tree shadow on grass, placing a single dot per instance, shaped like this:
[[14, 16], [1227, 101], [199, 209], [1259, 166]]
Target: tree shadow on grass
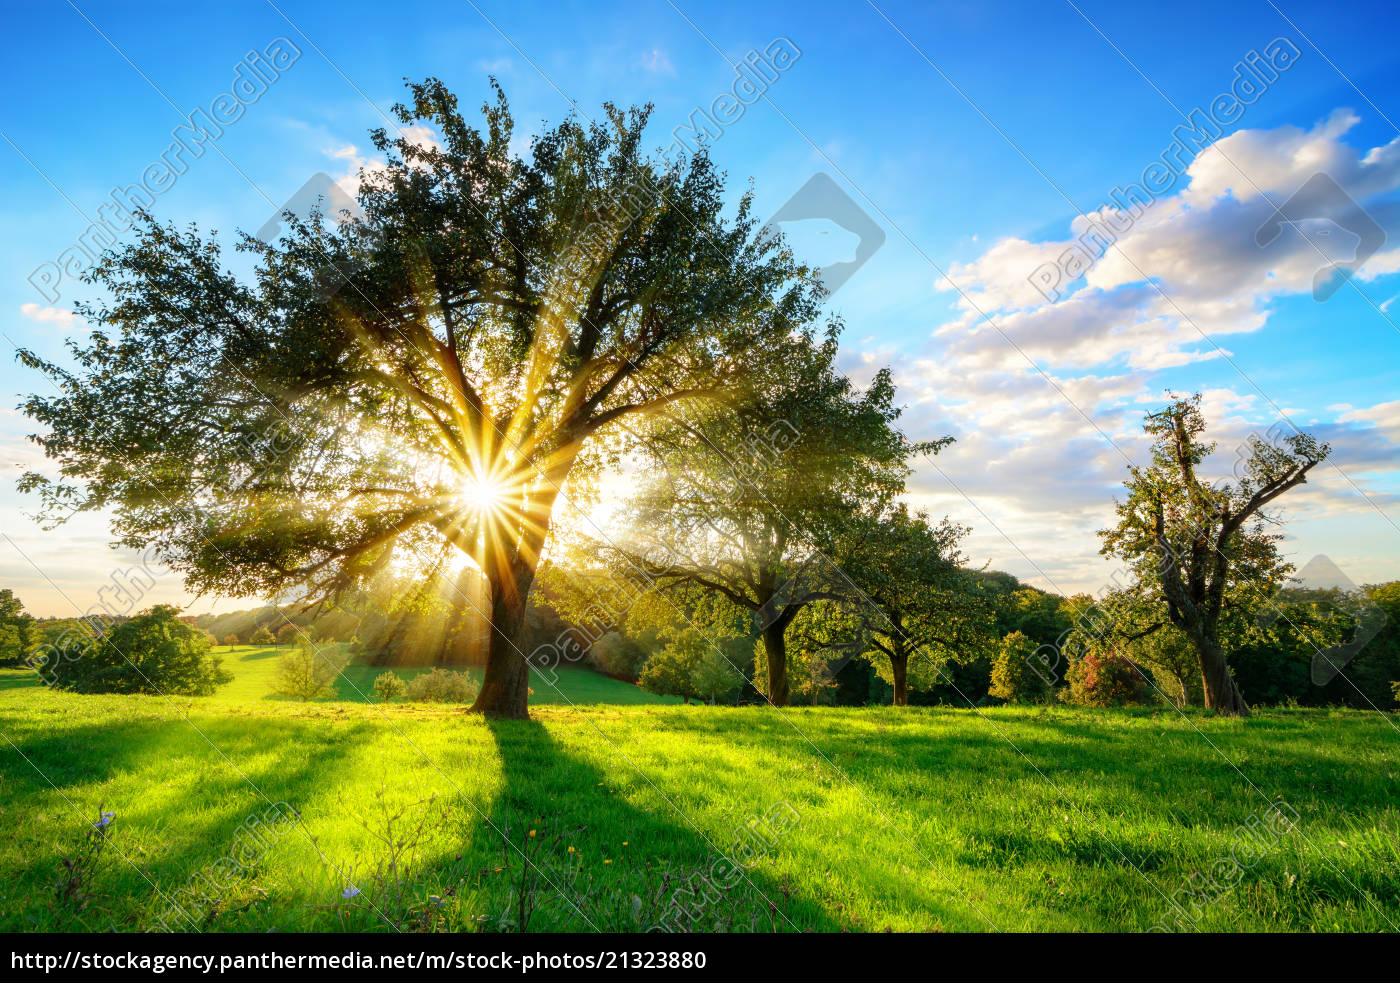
[[1083, 793], [192, 822], [18, 679], [599, 862], [242, 655], [1167, 775]]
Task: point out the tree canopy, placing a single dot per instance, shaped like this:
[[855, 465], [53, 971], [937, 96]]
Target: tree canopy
[[1193, 547], [757, 502], [16, 629], [915, 597], [416, 385]]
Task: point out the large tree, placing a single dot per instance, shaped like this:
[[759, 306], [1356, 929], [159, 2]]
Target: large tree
[[418, 383], [755, 503], [1195, 547]]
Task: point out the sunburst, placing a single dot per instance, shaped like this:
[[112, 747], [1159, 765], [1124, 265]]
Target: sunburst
[[483, 494]]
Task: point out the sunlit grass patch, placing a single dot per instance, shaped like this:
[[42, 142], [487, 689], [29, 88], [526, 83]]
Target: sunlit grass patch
[[862, 819]]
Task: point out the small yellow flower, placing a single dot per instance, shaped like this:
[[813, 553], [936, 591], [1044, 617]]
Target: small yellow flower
[[571, 849], [607, 861], [624, 842], [532, 834]]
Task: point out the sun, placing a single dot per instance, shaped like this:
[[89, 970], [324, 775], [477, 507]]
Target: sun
[[483, 495]]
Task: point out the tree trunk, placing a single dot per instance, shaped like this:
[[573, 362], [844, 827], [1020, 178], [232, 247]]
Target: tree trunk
[[899, 665], [1221, 693], [775, 652], [509, 567], [505, 690]]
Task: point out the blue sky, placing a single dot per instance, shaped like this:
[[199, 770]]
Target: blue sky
[[974, 135]]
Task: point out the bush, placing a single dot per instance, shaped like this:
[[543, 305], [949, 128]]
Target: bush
[[1014, 679], [17, 630], [671, 669], [307, 672], [152, 653], [14, 639], [714, 677], [442, 686], [617, 655], [1104, 681], [262, 637], [388, 686]]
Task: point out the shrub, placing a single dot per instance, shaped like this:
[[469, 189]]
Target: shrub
[[262, 637], [152, 653], [617, 655], [714, 677], [1014, 679], [13, 642], [388, 686], [17, 631], [442, 686], [307, 672], [1105, 680], [670, 670]]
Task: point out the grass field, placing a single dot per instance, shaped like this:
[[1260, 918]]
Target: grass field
[[860, 819], [254, 667]]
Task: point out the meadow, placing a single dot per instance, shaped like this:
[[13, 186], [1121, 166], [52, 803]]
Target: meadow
[[254, 669], [411, 817]]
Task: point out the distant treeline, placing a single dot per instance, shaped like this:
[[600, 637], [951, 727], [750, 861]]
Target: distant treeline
[[415, 625], [408, 625]]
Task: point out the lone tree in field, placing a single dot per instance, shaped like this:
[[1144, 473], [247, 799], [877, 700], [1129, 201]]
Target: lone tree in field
[[306, 673], [755, 504], [1196, 549], [413, 388]]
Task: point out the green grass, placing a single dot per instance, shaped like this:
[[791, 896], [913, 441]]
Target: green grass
[[907, 819], [254, 668]]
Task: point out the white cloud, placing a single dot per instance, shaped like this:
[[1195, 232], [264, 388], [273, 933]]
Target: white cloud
[[360, 166], [1189, 266], [50, 315], [1046, 396], [1384, 417]]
